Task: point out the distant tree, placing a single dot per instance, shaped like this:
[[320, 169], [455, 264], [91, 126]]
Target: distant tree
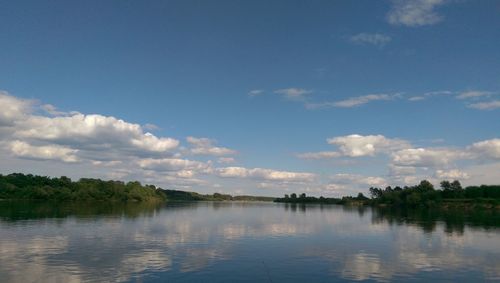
[[456, 186], [425, 186], [286, 196], [361, 197], [302, 195], [293, 196], [375, 192], [445, 185]]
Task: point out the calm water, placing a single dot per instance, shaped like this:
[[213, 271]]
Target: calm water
[[243, 242]]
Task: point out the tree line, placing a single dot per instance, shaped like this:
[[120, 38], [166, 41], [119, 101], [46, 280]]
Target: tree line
[[303, 198], [422, 195], [19, 186]]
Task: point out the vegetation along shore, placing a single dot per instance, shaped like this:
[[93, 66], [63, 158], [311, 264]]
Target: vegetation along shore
[[19, 186], [451, 194]]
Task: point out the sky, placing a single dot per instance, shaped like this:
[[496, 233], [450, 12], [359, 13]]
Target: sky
[[252, 97]]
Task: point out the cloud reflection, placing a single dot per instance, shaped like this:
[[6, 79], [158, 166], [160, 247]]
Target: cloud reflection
[[180, 241]]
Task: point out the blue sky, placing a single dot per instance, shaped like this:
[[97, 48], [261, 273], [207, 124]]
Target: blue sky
[[390, 92]]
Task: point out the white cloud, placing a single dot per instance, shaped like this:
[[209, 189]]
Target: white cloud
[[264, 174], [352, 102], [172, 164], [52, 110], [358, 145], [376, 39], [360, 100], [401, 170], [427, 157], [255, 92], [487, 148], [48, 152], [438, 92], [473, 94], [77, 131], [13, 109], [430, 94], [349, 184], [93, 131], [416, 98], [293, 93], [490, 105], [454, 174], [344, 178], [484, 173], [414, 13], [150, 142], [205, 146]]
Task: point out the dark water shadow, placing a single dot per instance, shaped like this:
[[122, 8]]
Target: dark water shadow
[[455, 220]]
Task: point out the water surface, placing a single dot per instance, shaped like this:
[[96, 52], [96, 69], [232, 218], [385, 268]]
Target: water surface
[[243, 242]]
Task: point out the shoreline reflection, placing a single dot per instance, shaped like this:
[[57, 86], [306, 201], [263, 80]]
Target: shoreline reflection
[[232, 241]]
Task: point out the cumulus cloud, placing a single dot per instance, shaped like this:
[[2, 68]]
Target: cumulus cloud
[[205, 146], [407, 164], [358, 146], [96, 131], [377, 39], [264, 174], [77, 131], [487, 148], [414, 13], [72, 136], [490, 105], [427, 157], [293, 93], [13, 109], [47, 152], [454, 174]]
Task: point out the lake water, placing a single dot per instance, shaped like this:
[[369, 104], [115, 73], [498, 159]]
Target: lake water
[[244, 242]]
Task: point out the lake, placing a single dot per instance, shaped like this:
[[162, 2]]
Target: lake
[[244, 242]]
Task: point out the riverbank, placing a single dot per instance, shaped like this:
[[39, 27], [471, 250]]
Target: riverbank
[[451, 195], [19, 186]]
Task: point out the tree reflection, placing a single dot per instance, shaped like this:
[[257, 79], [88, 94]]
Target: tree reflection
[[26, 210], [454, 220]]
